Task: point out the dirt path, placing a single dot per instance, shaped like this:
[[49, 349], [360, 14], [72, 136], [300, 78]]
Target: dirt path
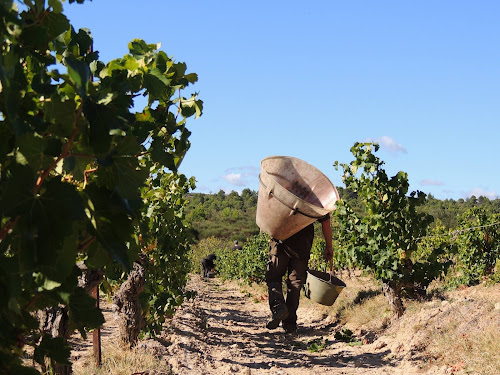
[[222, 331]]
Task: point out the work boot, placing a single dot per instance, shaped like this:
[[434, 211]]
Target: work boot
[[290, 328], [279, 314]]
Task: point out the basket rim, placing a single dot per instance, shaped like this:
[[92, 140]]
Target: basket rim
[[309, 205]]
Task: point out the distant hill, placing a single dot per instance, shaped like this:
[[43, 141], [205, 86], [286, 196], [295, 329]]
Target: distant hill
[[229, 216], [232, 216]]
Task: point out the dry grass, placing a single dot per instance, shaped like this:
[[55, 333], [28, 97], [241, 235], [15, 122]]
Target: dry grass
[[370, 315], [118, 361], [462, 331], [469, 337], [361, 305], [477, 352]]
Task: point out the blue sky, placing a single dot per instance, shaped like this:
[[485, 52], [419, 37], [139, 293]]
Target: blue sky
[[310, 79]]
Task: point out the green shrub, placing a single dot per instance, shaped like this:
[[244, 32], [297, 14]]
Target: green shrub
[[316, 261], [434, 253], [382, 240], [203, 248], [478, 247], [495, 276], [248, 264], [228, 266]]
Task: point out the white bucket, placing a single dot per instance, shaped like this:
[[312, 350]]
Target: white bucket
[[292, 195]]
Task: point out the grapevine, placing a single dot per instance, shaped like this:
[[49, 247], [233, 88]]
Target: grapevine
[[74, 158]]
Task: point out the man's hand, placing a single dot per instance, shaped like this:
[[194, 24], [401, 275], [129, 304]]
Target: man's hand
[[327, 254]]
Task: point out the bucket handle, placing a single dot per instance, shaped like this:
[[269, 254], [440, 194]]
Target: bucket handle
[[331, 269], [294, 209]]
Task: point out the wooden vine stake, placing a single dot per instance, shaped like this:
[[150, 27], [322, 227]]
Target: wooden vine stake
[[96, 334]]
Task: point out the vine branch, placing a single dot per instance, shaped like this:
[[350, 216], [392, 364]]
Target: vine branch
[[31, 302], [87, 243], [85, 173]]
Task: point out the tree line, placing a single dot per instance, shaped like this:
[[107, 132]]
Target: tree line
[[226, 216], [232, 216]]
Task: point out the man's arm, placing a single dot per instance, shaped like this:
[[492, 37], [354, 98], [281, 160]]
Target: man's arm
[[326, 227]]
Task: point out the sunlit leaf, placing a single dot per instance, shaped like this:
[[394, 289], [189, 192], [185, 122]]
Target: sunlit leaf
[[79, 73]]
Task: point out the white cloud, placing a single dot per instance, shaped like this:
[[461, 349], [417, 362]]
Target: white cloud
[[245, 171], [478, 192], [234, 179], [388, 143], [239, 176], [431, 182]]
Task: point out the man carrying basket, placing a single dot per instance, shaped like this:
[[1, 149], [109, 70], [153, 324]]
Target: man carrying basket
[[292, 255], [293, 195]]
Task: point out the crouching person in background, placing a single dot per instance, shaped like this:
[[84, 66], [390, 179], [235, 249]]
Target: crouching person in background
[[208, 265]]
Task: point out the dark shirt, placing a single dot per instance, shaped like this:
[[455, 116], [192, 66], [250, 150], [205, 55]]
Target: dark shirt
[[208, 262], [299, 245]]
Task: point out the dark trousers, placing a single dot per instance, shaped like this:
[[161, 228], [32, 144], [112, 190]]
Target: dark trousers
[[208, 266], [283, 260]]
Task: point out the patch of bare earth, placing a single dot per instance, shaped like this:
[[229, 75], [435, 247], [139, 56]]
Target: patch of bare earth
[[222, 331]]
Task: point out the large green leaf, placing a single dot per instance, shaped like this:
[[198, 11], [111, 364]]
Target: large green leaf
[[13, 84], [55, 348], [116, 248], [61, 201], [54, 147], [191, 77], [192, 106], [113, 224], [98, 257], [83, 311], [84, 40], [156, 83], [32, 147], [55, 23], [160, 153], [139, 47], [61, 116], [122, 170], [99, 118], [162, 62], [35, 37], [17, 191], [42, 84], [45, 226]]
